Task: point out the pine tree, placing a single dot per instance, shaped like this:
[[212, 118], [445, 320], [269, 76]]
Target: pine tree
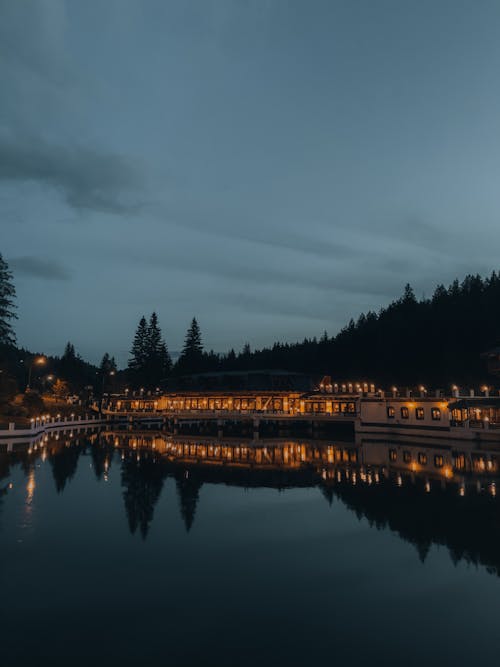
[[107, 368], [138, 352], [69, 352], [192, 352], [153, 338], [7, 304], [158, 362], [193, 347], [150, 362]]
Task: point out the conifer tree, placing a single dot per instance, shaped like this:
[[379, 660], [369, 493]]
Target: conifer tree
[[107, 368], [193, 347], [158, 362], [7, 304], [138, 352], [192, 352], [150, 361]]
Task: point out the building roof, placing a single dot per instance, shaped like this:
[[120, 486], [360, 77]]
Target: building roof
[[475, 402]]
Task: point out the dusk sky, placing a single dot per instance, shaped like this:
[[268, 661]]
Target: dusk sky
[[273, 168]]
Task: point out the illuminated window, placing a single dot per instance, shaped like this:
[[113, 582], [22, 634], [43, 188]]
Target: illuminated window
[[422, 458], [436, 414], [407, 457], [419, 413], [393, 455], [405, 413], [391, 412], [438, 461]]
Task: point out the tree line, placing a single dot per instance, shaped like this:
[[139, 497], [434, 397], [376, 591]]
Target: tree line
[[434, 341]]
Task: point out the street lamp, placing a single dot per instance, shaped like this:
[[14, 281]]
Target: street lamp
[[38, 361], [104, 376]]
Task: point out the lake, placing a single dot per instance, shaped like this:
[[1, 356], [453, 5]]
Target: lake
[[143, 548]]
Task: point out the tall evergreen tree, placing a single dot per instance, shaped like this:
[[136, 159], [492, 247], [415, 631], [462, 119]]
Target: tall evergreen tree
[[150, 361], [107, 369], [138, 352], [191, 358], [158, 362], [7, 304]]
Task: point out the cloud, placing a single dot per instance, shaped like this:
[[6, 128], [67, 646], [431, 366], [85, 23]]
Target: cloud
[[47, 269], [87, 178]]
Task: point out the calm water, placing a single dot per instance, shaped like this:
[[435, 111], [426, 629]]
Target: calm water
[[139, 549]]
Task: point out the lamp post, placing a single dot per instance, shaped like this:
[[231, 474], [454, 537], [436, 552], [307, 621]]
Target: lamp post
[[104, 376], [39, 361]]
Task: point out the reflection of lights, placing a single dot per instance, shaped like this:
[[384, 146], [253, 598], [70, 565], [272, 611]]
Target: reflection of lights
[[399, 480], [493, 489], [427, 487], [461, 491], [30, 487]]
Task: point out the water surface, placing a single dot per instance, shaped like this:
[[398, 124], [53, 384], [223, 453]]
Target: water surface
[[138, 548]]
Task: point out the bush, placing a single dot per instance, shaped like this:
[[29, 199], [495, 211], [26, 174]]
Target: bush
[[33, 403]]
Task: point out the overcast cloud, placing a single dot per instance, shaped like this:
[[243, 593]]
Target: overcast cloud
[[272, 167]]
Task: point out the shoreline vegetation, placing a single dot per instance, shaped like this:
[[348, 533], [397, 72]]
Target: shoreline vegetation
[[436, 341]]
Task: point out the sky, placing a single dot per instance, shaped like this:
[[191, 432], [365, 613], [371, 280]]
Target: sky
[[271, 167]]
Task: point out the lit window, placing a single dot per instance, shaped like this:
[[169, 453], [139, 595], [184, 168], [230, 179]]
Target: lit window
[[436, 414], [391, 412], [419, 413], [422, 458], [405, 413], [438, 461], [407, 457], [393, 455]]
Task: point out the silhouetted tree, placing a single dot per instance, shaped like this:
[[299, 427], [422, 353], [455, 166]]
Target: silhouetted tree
[[74, 370], [7, 304], [191, 359], [150, 361], [138, 353]]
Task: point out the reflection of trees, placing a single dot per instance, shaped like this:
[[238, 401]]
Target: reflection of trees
[[467, 526], [142, 478], [188, 489], [64, 462], [102, 457]]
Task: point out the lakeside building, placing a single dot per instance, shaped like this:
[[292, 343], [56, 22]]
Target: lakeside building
[[437, 416]]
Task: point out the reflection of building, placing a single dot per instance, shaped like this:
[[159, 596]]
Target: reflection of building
[[426, 492]]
